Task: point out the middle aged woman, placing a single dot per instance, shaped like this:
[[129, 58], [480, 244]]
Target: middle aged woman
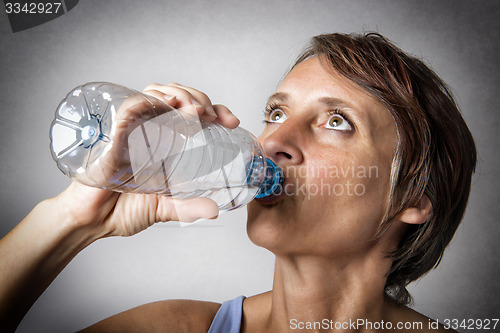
[[377, 163]]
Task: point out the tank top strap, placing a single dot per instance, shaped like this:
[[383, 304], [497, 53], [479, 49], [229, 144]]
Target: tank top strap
[[228, 318]]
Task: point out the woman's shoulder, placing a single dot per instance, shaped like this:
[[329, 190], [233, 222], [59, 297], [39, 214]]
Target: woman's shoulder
[[163, 316], [412, 321]]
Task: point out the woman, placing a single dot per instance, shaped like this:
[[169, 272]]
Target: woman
[[377, 162]]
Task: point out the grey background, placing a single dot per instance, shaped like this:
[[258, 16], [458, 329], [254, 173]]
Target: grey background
[[236, 52]]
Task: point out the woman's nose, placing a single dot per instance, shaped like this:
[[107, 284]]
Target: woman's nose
[[283, 145]]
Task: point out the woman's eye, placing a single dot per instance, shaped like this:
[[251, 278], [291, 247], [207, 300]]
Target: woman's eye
[[276, 116], [338, 122]]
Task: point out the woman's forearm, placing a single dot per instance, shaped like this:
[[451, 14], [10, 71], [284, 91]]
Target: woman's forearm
[[33, 254]]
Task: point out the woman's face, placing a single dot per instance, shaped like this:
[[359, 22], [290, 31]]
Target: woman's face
[[335, 144]]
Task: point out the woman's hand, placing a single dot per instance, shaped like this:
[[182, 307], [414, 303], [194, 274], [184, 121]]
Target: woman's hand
[[105, 213]]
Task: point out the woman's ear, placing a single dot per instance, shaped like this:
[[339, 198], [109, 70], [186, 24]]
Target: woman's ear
[[417, 214]]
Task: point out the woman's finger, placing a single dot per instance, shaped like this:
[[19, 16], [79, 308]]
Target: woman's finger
[[188, 210], [194, 102], [225, 117], [169, 100], [190, 100]]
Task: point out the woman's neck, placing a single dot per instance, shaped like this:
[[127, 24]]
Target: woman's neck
[[312, 292]]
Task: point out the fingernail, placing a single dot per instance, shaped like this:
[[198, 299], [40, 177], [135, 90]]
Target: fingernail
[[210, 110], [168, 97]]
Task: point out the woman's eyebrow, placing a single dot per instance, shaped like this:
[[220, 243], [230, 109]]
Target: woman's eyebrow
[[334, 102], [278, 97], [331, 102]]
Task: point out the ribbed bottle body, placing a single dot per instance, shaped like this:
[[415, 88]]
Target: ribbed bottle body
[[108, 136]]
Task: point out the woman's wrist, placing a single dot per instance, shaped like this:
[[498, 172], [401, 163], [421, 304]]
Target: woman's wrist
[[80, 208], [61, 226]]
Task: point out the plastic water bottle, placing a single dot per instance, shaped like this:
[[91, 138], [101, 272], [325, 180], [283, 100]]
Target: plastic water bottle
[[108, 136]]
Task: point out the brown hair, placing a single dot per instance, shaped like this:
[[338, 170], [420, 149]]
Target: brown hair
[[435, 156]]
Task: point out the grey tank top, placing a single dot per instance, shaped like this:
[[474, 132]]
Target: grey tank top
[[228, 318]]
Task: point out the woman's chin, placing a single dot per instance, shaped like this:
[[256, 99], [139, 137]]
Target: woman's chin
[[268, 222], [265, 208]]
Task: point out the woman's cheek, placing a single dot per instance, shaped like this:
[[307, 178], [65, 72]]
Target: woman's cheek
[[341, 177]]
